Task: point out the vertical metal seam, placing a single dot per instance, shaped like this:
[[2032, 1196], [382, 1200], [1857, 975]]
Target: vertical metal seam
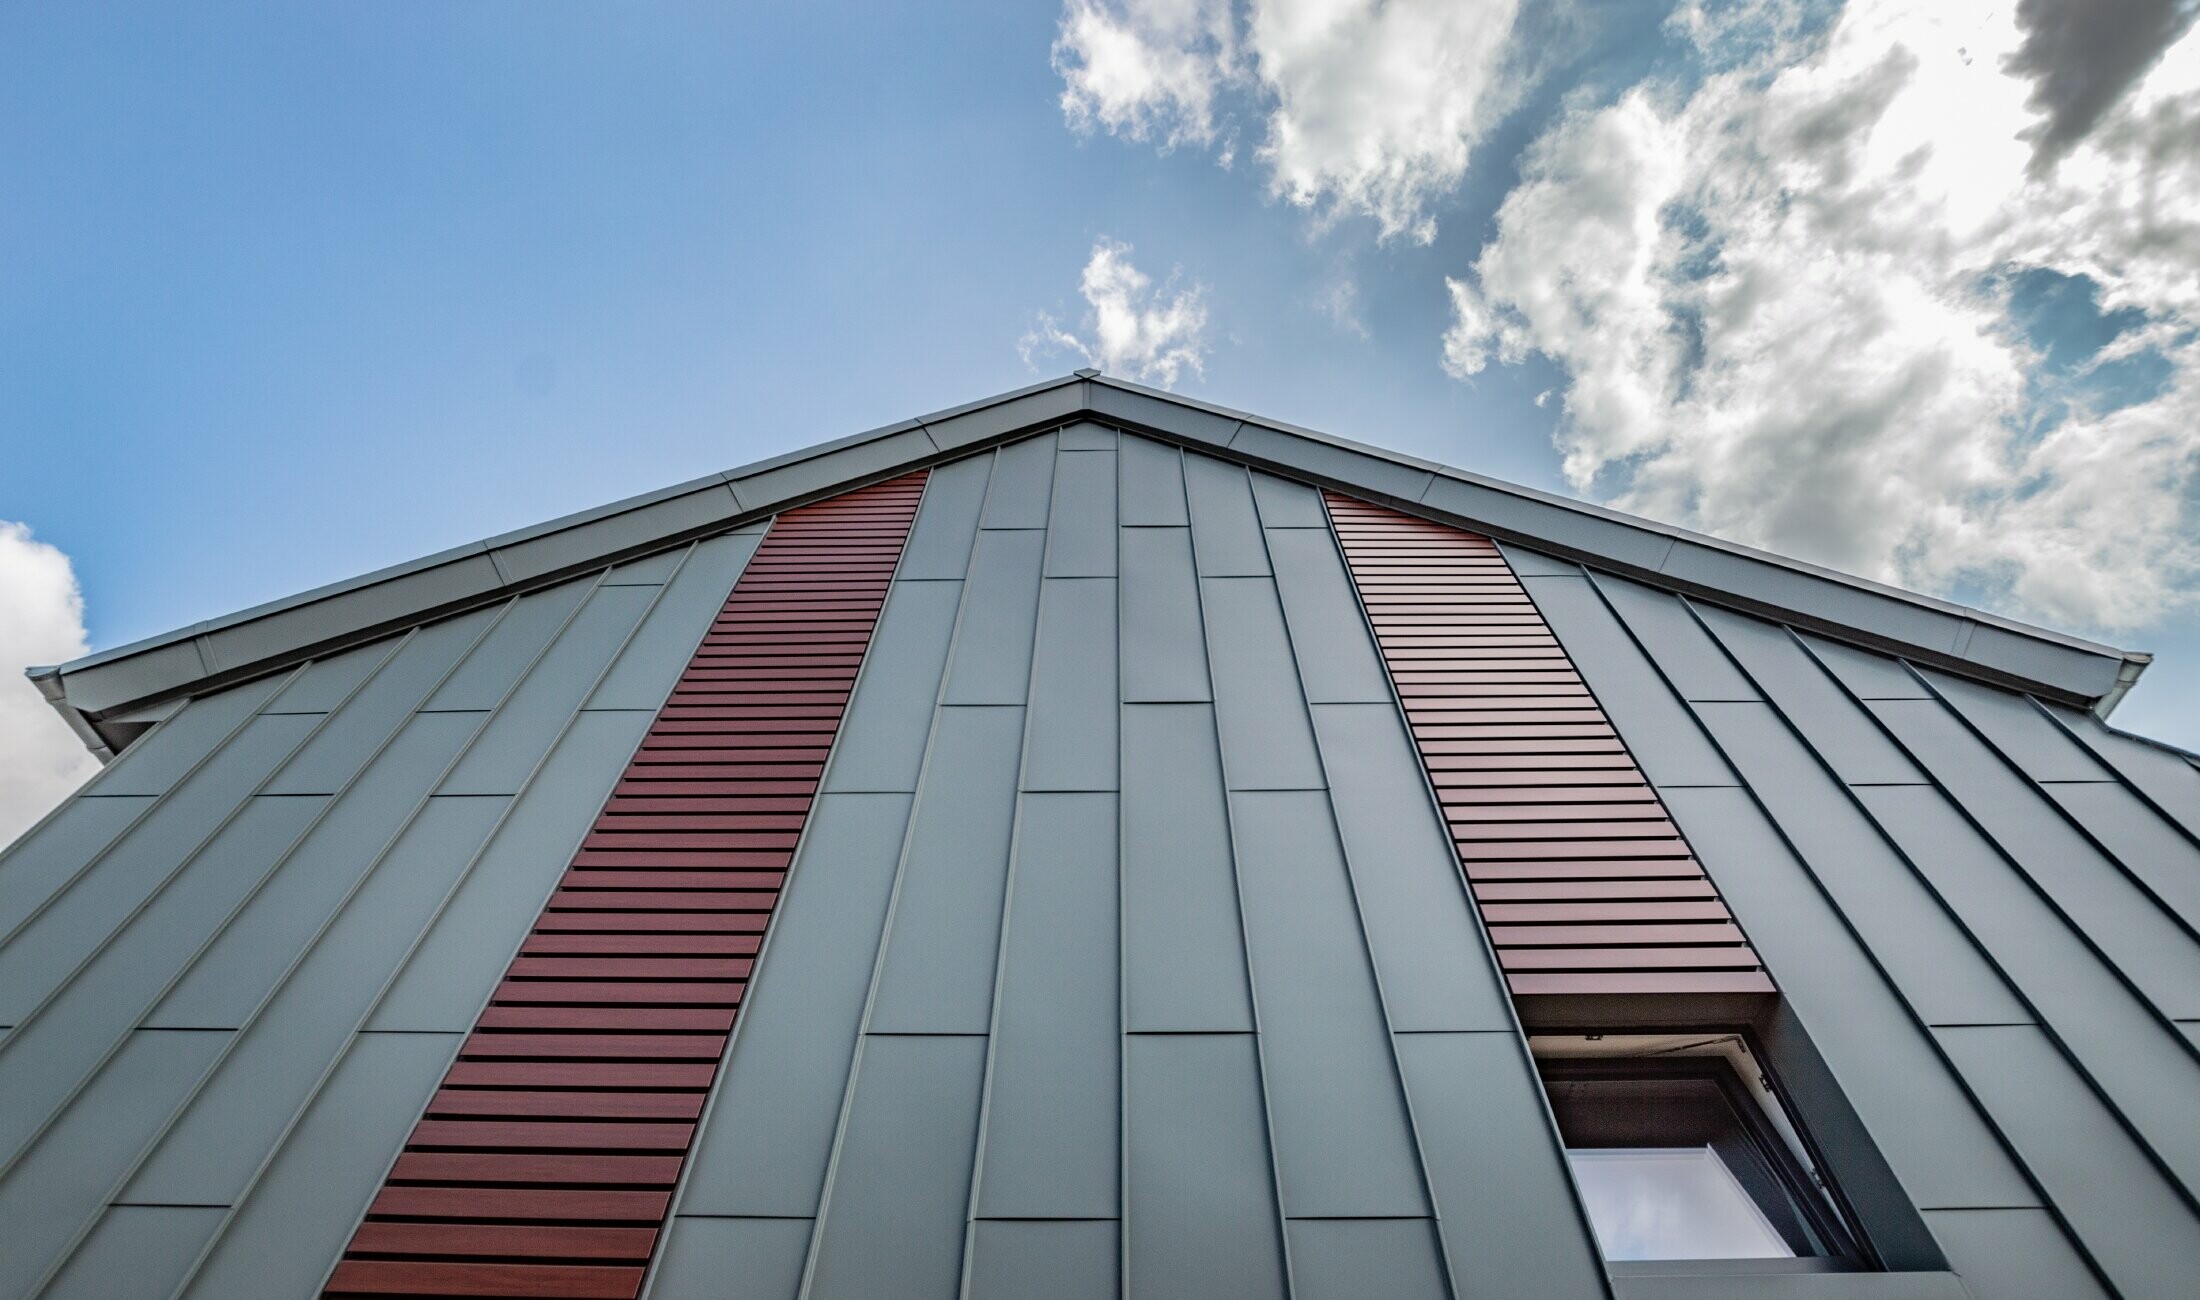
[[1122, 926], [2115, 768]]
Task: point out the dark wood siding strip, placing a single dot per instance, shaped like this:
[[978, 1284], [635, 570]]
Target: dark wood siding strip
[[1585, 883], [545, 1162]]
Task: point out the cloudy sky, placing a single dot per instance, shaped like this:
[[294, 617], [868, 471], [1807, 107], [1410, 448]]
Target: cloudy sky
[[292, 292]]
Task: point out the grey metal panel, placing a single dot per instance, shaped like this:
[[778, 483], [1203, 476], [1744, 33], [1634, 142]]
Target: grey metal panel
[[137, 1250], [765, 1143], [369, 717], [937, 974], [1867, 675], [893, 1217], [1082, 541], [1845, 738], [244, 963], [1376, 477], [60, 1185], [1922, 950], [1267, 741], [1192, 421], [2154, 952], [2027, 738], [2027, 653], [1421, 926], [892, 707], [672, 516], [1344, 1145], [324, 683], [169, 751], [1286, 504], [37, 957], [1051, 1145], [1023, 478], [1336, 655], [2139, 1063], [1535, 564], [1153, 484], [1201, 1204], [141, 672], [2166, 777], [91, 1013], [447, 980], [649, 571], [529, 721], [1736, 573], [1905, 1095], [790, 482], [1072, 1259], [1164, 650], [1479, 1109], [289, 1231], [1666, 743], [237, 1119], [1565, 526], [1691, 660], [1754, 1285], [2139, 1231], [1183, 955], [297, 626], [1085, 435], [2013, 1255], [730, 1259], [1073, 688], [2149, 846], [975, 421], [992, 659], [1225, 526], [1348, 1259], [947, 521], [670, 633], [43, 860], [492, 666]]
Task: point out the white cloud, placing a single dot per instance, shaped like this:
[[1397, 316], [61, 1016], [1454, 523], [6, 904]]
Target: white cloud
[[1132, 327], [41, 622], [1782, 303], [1369, 108]]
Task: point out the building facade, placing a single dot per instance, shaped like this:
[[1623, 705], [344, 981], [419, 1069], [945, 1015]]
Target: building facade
[[1090, 843]]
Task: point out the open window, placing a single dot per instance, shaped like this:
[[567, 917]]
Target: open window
[[1682, 1148]]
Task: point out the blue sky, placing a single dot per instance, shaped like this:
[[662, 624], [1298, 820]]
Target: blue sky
[[289, 292]]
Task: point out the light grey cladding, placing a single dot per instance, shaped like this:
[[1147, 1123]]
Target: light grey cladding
[[1479, 1107], [936, 976], [179, 744], [769, 1135], [1164, 655], [1343, 1143], [1867, 676], [1225, 524], [1337, 660], [992, 658], [892, 707], [1843, 738], [2167, 778], [2020, 1254], [1015, 1259], [893, 1221], [37, 866], [1436, 973], [731, 1259], [288, 1233], [1691, 660], [1183, 956], [1201, 1215], [1051, 1141], [646, 669], [1085, 435], [1267, 741], [1073, 688], [137, 1250], [1153, 484], [326, 683], [1345, 1259], [1081, 537], [352, 734], [947, 523], [1023, 481], [2151, 848], [523, 631], [1285, 504], [2026, 737]]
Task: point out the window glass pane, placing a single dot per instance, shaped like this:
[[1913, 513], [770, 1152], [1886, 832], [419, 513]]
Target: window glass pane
[[1670, 1203]]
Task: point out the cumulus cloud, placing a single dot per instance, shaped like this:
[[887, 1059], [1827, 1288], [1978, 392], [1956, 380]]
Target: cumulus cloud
[[1782, 299], [41, 622], [1367, 108], [1132, 326], [2083, 55]]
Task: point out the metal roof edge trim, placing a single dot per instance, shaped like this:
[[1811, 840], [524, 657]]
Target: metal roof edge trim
[[251, 641]]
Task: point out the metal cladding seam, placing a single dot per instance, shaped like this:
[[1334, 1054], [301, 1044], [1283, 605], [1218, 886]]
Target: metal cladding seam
[[1584, 882], [546, 1160]]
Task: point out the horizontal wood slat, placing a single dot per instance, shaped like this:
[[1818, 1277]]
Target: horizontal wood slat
[[545, 1163], [1584, 882]]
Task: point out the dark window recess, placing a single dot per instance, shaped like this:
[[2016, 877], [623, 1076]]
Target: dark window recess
[[1682, 1150]]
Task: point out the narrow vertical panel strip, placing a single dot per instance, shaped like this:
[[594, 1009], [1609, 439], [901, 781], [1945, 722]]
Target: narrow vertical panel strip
[[546, 1160], [1584, 882]]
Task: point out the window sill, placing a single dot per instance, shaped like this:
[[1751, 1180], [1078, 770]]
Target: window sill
[[1719, 1279]]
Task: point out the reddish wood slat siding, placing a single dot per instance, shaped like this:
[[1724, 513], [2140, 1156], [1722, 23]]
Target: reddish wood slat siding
[[546, 1161], [1584, 882]]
